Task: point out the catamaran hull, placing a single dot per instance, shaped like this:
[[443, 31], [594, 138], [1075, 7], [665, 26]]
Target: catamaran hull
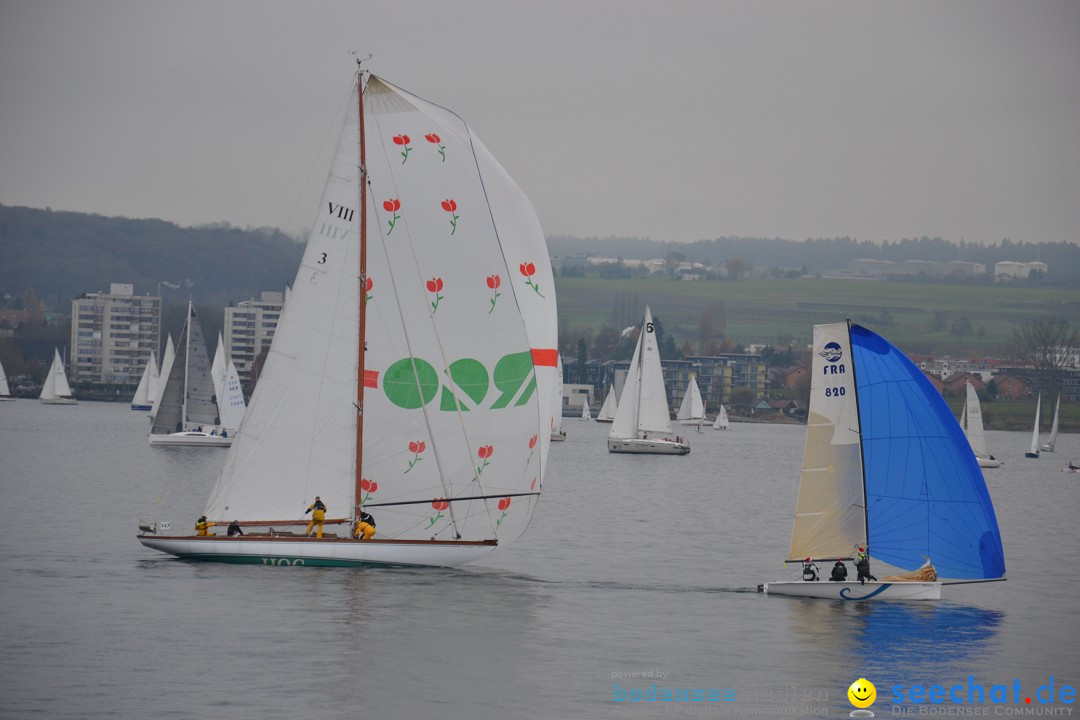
[[855, 591], [190, 440], [58, 401], [647, 447], [320, 552]]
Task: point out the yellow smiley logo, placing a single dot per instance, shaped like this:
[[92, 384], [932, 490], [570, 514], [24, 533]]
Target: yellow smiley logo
[[862, 693]]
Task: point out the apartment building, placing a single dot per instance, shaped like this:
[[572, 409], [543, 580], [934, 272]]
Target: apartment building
[[113, 334], [249, 328]]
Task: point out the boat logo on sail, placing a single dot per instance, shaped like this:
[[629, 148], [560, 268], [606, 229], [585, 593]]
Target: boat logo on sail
[[411, 383], [832, 352]]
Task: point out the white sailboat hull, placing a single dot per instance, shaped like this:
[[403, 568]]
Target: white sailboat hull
[[985, 462], [692, 421], [325, 551], [855, 591], [191, 439], [647, 447], [58, 401]]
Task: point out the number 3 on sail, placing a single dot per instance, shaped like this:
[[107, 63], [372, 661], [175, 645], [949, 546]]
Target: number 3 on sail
[[396, 385]]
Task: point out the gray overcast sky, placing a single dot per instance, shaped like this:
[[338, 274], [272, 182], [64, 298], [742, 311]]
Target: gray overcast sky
[[672, 120]]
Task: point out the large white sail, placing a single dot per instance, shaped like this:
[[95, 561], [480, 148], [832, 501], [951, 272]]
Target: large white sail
[[187, 398], [219, 368], [830, 516], [163, 375], [556, 411], [1034, 450], [56, 388], [5, 390], [692, 408], [1048, 446], [974, 426], [460, 334], [643, 406], [231, 406], [147, 385], [607, 410]]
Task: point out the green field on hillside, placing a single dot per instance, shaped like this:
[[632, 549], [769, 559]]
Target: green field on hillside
[[779, 311]]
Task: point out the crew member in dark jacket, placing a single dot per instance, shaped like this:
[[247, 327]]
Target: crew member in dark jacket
[[839, 571]]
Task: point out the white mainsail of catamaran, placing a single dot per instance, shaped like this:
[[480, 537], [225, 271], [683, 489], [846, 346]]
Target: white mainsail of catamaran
[[607, 410], [187, 414], [972, 423], [1033, 451], [166, 369], [412, 373], [56, 390], [227, 390], [643, 407], [1052, 440], [147, 389], [557, 432], [721, 421], [692, 409], [5, 389], [886, 469]]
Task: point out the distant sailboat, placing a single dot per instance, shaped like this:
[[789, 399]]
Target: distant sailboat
[[1033, 452], [56, 390], [607, 410], [5, 390], [557, 433], [692, 409], [643, 408], [586, 414], [227, 389], [972, 423], [1052, 440], [721, 421], [188, 413], [147, 390]]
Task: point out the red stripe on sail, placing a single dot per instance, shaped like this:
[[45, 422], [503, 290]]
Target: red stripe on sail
[[545, 358], [371, 378]]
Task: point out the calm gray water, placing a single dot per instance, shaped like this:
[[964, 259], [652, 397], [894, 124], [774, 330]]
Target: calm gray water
[[632, 564]]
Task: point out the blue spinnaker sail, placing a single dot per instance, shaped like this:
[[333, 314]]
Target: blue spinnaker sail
[[925, 494]]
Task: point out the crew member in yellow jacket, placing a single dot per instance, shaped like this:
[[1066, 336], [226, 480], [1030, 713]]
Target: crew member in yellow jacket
[[365, 526], [317, 517], [202, 527]]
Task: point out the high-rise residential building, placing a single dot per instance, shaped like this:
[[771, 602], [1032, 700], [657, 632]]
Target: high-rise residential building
[[113, 334], [249, 328]]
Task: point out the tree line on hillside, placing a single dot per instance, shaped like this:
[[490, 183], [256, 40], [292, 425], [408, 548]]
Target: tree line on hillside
[[63, 254], [823, 254]]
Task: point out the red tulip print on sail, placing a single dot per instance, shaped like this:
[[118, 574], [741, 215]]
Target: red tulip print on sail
[[368, 284], [484, 453], [450, 206], [528, 269], [439, 504], [403, 140], [416, 447], [392, 206], [493, 282], [368, 486], [435, 285], [504, 505], [532, 449], [434, 140]]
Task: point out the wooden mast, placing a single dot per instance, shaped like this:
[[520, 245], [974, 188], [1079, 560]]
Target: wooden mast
[[358, 491]]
